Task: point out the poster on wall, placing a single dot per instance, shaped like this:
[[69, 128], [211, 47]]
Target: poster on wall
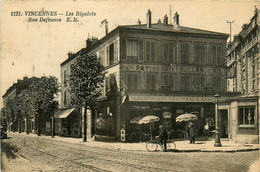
[[166, 57]]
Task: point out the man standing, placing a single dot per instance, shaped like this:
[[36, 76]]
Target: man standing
[[192, 133]]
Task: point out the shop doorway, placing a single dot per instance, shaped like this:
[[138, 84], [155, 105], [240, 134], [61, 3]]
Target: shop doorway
[[223, 123]]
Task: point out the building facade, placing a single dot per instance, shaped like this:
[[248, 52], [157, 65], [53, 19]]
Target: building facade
[[156, 69], [243, 66], [8, 99]]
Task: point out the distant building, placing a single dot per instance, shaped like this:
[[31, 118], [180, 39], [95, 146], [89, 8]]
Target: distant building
[[243, 76], [10, 95], [156, 69]]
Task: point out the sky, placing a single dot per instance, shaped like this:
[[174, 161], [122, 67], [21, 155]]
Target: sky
[[45, 45]]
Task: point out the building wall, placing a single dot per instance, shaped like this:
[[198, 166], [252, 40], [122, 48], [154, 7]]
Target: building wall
[[198, 73]]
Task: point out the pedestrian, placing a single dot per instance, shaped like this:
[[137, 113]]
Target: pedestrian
[[163, 138], [192, 133], [206, 129]]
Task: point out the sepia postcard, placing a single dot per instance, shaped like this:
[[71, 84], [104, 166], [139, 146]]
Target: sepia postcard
[[113, 85]]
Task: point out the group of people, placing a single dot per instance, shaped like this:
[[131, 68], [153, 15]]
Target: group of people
[[163, 135]]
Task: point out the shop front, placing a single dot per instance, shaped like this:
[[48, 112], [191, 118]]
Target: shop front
[[243, 119], [67, 122], [167, 108]]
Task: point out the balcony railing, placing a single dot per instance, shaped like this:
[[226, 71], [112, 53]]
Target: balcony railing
[[250, 45]]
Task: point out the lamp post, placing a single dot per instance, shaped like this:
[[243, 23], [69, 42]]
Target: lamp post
[[217, 139]]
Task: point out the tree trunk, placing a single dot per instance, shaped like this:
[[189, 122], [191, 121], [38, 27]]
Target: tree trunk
[[38, 125], [52, 126], [19, 125], [27, 124], [85, 124]]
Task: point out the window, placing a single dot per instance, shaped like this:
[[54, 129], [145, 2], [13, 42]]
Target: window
[[185, 53], [213, 54], [150, 51], [169, 53], [151, 82], [168, 80], [246, 116], [116, 48], [111, 54], [132, 50], [253, 70], [200, 54], [101, 57], [132, 81], [141, 51], [185, 82], [65, 98], [253, 85], [216, 82], [65, 78]]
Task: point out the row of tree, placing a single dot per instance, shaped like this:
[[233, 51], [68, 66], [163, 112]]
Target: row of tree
[[38, 101]]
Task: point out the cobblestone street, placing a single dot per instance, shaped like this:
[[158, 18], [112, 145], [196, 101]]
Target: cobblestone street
[[37, 154]]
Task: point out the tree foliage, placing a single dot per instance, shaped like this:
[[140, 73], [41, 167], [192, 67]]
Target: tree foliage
[[87, 75]]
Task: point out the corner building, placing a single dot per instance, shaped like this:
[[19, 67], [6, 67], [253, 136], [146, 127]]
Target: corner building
[[155, 69]]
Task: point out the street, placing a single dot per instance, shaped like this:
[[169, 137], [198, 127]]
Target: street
[[40, 154]]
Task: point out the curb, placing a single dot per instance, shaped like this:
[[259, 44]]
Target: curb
[[176, 150]]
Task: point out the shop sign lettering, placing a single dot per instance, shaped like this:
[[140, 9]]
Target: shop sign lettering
[[173, 69], [139, 98]]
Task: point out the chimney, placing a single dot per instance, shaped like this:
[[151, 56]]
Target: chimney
[[88, 43], [165, 20], [139, 22], [70, 54], [104, 22], [176, 24], [149, 18]]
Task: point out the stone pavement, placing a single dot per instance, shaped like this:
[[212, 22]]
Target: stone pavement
[[181, 146]]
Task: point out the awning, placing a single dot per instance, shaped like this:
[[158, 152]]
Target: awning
[[63, 113]]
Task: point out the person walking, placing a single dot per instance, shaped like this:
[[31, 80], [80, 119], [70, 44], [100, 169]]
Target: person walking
[[163, 137], [192, 133]]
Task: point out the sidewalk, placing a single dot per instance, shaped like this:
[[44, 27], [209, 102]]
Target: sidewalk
[[181, 146]]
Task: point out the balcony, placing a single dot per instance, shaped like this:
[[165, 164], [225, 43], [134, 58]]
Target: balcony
[[231, 61], [250, 45]]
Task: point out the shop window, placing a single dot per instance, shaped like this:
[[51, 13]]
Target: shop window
[[246, 116], [185, 53], [132, 81], [132, 50], [150, 82]]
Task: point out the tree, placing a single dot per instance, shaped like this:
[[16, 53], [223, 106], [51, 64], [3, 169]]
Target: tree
[[87, 75], [11, 111], [43, 93]]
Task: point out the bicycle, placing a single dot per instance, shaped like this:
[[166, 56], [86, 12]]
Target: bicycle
[[152, 145]]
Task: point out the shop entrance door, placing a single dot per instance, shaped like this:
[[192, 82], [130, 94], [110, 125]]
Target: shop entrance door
[[223, 123]]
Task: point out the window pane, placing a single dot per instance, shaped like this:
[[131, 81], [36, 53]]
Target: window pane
[[240, 116], [153, 52], [148, 51], [252, 116], [141, 51]]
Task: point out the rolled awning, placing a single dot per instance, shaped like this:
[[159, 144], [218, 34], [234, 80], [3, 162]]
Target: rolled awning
[[63, 113]]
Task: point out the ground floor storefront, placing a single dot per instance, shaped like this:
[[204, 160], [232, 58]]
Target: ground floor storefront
[[242, 114], [116, 119]]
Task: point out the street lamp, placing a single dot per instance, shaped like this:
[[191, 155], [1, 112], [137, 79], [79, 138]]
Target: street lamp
[[217, 139]]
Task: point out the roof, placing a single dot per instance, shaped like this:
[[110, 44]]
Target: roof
[[143, 27], [170, 28], [63, 113]]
